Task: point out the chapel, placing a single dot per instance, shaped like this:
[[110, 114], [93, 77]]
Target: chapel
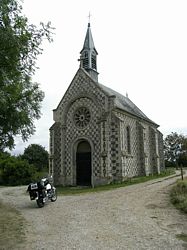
[[100, 136]]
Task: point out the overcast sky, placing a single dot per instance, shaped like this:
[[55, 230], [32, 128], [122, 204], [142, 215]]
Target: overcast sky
[[142, 48]]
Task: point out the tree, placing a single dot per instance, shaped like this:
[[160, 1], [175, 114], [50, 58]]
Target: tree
[[15, 171], [4, 155], [20, 98], [36, 155], [174, 147], [182, 160]]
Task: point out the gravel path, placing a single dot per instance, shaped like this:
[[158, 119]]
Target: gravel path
[[135, 217]]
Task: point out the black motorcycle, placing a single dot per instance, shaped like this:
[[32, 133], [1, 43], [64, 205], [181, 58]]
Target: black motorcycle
[[42, 191]]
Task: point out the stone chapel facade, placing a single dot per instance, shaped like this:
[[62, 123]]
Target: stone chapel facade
[[100, 136]]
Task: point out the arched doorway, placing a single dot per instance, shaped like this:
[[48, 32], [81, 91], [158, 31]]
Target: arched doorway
[[83, 164]]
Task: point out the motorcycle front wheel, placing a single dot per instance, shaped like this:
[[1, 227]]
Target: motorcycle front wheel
[[40, 203], [54, 196]]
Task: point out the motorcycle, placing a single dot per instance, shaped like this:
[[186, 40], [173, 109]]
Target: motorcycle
[[42, 192]]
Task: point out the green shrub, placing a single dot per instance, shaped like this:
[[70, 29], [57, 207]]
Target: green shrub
[[179, 195], [169, 164], [15, 171]]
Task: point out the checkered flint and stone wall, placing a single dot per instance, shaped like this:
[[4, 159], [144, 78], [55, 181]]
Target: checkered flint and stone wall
[[106, 132]]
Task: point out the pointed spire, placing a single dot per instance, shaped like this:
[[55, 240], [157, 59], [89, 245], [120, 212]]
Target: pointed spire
[[89, 54], [88, 42]]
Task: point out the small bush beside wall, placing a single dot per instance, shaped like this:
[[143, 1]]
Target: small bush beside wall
[[179, 195]]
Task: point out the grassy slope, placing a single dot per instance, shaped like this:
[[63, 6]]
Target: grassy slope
[[12, 228], [179, 195]]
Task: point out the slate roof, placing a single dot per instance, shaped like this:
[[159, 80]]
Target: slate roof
[[88, 41], [125, 104]]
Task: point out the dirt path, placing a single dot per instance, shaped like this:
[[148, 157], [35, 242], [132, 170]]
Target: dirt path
[[134, 217]]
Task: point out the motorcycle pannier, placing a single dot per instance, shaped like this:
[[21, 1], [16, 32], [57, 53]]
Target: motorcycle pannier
[[32, 188]]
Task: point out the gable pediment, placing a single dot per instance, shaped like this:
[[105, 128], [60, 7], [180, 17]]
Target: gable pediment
[[81, 86]]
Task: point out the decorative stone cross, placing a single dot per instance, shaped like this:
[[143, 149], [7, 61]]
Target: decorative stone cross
[[89, 16]]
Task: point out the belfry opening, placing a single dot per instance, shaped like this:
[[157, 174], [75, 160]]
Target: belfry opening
[[83, 164]]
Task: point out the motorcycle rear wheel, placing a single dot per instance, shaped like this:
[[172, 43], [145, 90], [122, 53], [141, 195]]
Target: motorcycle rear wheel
[[40, 203], [54, 196]]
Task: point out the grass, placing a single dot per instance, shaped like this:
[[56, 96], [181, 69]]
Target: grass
[[12, 227], [179, 195], [79, 190], [182, 237]]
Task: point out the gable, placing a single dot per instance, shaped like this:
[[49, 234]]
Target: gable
[[81, 86]]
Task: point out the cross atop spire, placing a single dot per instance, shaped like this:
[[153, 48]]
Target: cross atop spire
[[89, 17]]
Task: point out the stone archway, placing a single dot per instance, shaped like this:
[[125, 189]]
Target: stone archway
[[83, 164]]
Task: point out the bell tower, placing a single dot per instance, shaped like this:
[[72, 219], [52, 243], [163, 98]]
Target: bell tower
[[88, 55]]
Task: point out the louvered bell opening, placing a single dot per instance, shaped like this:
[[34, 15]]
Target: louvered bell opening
[[85, 60], [94, 62], [85, 63]]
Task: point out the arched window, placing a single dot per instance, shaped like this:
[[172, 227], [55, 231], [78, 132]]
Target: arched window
[[128, 140], [85, 60], [94, 61]]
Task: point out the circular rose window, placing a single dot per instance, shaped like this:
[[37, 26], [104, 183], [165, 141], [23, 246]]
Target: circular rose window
[[82, 117]]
